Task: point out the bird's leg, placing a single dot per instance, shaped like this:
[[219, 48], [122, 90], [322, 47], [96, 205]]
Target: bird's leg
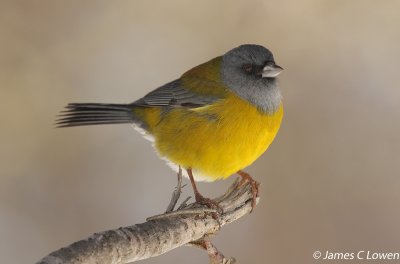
[[254, 186], [198, 196]]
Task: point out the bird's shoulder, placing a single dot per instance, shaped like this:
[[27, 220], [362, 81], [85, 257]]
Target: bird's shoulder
[[200, 86]]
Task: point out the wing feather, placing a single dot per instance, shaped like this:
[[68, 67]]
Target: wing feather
[[174, 94]]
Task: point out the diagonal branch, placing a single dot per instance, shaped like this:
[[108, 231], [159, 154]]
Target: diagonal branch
[[190, 225]]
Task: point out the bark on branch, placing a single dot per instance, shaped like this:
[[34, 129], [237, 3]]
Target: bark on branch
[[188, 225]]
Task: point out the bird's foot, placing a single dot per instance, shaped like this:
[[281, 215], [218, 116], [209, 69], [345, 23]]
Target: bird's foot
[[200, 199], [254, 186]]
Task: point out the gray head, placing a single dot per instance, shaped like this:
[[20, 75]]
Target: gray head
[[250, 71]]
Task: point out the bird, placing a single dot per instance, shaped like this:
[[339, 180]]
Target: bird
[[213, 121]]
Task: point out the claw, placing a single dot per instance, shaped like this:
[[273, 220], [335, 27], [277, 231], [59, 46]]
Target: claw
[[200, 199], [254, 186]]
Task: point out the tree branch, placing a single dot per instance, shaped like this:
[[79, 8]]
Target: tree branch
[[189, 225]]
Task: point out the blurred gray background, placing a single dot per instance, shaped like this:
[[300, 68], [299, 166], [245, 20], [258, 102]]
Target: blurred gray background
[[330, 181]]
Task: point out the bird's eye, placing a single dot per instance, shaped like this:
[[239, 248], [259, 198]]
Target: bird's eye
[[247, 67]]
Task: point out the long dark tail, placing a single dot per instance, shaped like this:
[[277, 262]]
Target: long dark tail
[[94, 114]]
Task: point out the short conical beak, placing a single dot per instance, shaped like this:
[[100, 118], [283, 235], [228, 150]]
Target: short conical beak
[[271, 70]]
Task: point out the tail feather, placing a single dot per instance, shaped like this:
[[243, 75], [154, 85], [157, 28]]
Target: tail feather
[[83, 114]]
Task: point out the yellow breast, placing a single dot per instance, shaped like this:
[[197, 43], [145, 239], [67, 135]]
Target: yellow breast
[[217, 140]]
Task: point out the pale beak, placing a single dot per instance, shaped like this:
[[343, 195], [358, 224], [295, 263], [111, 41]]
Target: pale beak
[[271, 70]]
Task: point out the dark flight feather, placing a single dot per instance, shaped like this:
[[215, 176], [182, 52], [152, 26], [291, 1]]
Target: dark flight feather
[[170, 95]]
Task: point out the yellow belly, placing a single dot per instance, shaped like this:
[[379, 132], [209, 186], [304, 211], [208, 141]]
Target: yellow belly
[[216, 140]]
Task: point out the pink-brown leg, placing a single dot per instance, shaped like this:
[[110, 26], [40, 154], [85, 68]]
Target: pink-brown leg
[[198, 196]]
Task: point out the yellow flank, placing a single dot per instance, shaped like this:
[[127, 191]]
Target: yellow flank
[[149, 115], [215, 140]]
